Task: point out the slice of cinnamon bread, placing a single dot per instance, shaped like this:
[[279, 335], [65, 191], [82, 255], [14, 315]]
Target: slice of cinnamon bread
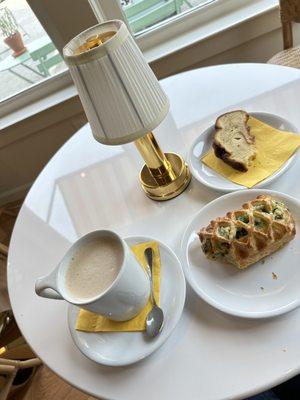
[[233, 142]]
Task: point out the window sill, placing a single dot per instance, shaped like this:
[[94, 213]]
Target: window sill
[[36, 99], [207, 22], [213, 35]]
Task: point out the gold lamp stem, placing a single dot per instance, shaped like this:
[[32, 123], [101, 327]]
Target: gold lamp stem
[[165, 175], [160, 168]]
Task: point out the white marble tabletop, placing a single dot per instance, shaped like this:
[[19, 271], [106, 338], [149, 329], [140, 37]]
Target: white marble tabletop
[[88, 186]]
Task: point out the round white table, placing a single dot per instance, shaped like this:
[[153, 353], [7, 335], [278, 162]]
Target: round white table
[[87, 186]]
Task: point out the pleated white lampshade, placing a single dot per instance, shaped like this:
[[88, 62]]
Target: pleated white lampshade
[[120, 94]]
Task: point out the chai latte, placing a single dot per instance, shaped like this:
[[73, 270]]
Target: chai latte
[[93, 268]]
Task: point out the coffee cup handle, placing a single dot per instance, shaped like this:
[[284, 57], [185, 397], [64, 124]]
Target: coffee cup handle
[[46, 286]]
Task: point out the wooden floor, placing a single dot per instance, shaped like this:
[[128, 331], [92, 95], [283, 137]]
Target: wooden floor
[[8, 215], [45, 385]]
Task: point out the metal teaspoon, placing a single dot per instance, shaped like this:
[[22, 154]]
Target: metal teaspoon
[[155, 318]]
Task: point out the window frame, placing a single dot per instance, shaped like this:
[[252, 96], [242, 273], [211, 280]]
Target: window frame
[[60, 31], [182, 23], [157, 42], [35, 92]]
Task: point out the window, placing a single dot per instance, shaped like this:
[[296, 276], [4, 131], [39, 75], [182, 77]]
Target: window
[[162, 29], [27, 54], [143, 14]]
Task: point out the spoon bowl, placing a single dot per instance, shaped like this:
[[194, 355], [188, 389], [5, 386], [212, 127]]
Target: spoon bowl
[[154, 321]]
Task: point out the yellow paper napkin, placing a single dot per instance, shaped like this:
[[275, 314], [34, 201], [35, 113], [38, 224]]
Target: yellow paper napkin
[[90, 322], [274, 148]]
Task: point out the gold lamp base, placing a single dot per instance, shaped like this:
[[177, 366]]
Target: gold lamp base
[[172, 189], [164, 176]]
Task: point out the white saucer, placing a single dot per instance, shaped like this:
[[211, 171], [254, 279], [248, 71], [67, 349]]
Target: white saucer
[[253, 292], [117, 349], [212, 179]]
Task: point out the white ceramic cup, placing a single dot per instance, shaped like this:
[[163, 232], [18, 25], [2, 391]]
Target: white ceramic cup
[[121, 301]]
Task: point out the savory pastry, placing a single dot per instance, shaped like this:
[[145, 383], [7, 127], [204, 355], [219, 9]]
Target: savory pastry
[[233, 142], [245, 236]]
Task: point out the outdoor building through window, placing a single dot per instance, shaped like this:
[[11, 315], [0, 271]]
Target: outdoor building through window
[[27, 54], [143, 14]]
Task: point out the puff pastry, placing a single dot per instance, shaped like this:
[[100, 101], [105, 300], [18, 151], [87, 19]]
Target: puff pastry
[[243, 237]]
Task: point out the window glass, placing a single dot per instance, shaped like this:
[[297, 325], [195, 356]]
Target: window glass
[[27, 54], [143, 14]]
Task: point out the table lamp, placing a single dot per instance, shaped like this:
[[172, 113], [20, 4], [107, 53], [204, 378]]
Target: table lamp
[[124, 102]]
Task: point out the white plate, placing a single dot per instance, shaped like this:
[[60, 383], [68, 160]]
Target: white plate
[[252, 292], [212, 179], [117, 349]]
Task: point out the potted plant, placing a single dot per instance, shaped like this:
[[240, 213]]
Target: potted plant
[[9, 29]]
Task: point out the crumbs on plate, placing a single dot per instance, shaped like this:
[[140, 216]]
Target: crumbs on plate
[[274, 276]]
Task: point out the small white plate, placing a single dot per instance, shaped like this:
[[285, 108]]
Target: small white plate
[[212, 179], [118, 349], [252, 292]]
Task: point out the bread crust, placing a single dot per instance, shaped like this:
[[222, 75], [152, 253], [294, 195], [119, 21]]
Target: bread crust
[[221, 153], [220, 150]]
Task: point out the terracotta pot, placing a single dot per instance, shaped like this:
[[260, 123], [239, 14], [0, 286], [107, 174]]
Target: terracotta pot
[[15, 42]]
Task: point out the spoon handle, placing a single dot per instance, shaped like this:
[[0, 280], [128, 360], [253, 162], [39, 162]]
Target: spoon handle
[[149, 258]]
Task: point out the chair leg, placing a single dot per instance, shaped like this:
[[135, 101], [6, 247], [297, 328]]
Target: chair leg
[[34, 362], [10, 372], [287, 35], [188, 3], [42, 67], [10, 368], [3, 250]]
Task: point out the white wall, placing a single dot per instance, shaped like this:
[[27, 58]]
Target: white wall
[[22, 156], [26, 147]]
